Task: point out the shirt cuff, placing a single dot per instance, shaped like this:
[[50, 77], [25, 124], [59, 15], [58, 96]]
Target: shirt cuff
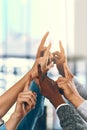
[[61, 105]]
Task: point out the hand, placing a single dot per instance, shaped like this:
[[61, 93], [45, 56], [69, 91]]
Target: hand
[[47, 85], [43, 61], [25, 102], [60, 58], [41, 50], [68, 87], [49, 88]]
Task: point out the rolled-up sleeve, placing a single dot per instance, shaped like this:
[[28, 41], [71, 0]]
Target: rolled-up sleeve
[[82, 109]]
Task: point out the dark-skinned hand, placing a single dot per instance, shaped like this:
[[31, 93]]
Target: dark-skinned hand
[[47, 85], [49, 88]]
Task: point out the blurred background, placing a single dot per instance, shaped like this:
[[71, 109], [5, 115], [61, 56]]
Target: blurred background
[[22, 26]]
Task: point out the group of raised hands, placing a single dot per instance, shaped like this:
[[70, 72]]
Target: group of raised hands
[[49, 88], [64, 85]]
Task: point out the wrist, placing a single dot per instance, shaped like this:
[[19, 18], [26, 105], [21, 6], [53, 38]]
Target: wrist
[[76, 100], [16, 116], [56, 100], [33, 73], [13, 122]]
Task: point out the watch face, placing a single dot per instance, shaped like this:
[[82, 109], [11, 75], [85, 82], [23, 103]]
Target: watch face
[[1, 122]]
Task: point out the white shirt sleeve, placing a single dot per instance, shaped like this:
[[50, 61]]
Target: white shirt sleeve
[[82, 109]]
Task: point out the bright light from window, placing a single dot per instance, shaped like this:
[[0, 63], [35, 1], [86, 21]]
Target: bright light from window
[[55, 16]]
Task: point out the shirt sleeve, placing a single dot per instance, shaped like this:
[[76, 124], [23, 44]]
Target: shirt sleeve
[[3, 127], [82, 109], [61, 105], [82, 89]]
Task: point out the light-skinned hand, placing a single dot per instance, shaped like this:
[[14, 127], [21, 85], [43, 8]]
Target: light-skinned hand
[[69, 89]]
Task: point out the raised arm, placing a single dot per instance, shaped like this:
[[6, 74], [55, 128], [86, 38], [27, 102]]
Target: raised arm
[[25, 102], [10, 96], [67, 85]]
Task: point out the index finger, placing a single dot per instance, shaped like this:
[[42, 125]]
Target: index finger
[[43, 40], [61, 48]]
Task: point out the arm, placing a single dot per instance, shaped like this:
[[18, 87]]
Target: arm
[[70, 118], [70, 92], [69, 89], [10, 96], [25, 102]]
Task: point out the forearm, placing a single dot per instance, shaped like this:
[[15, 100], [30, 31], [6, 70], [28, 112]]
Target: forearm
[[56, 100], [10, 96], [70, 119], [13, 122]]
